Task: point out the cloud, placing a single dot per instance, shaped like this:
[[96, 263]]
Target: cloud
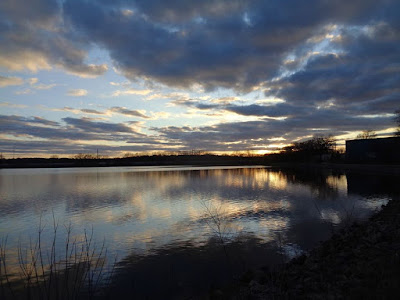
[[91, 111], [232, 44], [77, 92], [34, 83], [33, 80], [128, 112], [74, 135], [282, 110], [123, 84], [85, 71], [363, 78], [261, 134], [8, 122], [13, 105], [131, 91], [73, 129], [212, 43], [90, 126], [269, 109], [24, 92], [283, 121], [68, 147], [8, 81], [160, 115], [183, 11], [235, 136], [79, 111], [38, 38], [113, 110], [43, 86]]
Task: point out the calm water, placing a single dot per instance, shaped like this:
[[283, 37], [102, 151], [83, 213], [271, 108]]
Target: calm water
[[185, 230]]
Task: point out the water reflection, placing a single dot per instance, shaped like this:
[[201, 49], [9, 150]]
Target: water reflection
[[158, 216]]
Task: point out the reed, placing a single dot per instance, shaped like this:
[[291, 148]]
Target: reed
[[76, 270]]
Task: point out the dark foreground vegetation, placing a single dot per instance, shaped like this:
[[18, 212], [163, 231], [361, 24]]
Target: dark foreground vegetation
[[362, 261], [77, 271]]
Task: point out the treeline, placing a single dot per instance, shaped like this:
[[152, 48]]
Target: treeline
[[144, 160], [316, 149]]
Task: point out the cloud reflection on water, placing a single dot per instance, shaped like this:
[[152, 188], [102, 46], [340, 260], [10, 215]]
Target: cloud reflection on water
[[143, 211]]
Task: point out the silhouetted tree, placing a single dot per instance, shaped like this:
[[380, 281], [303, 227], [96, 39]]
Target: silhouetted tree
[[367, 134], [308, 150], [85, 156], [317, 145]]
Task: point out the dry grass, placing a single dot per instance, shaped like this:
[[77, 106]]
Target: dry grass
[[75, 271]]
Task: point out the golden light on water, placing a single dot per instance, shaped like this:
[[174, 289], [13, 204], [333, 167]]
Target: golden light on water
[[337, 182], [277, 180]]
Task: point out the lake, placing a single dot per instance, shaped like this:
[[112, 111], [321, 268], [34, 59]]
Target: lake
[[176, 232]]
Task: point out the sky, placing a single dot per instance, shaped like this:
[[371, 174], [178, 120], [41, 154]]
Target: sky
[[77, 76]]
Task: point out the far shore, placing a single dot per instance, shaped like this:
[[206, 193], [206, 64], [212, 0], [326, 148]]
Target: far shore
[[156, 160], [196, 160], [369, 168]]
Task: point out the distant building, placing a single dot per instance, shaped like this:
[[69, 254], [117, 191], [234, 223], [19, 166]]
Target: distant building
[[385, 150]]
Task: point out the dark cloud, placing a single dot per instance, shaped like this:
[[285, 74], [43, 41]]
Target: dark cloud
[[232, 44], [82, 111], [272, 110], [365, 73], [290, 120], [33, 127], [232, 136], [187, 42], [92, 111], [114, 109], [21, 121], [39, 13], [128, 112], [87, 125], [75, 129], [182, 101], [263, 132], [66, 147], [178, 11], [278, 110], [33, 37], [42, 121], [66, 138]]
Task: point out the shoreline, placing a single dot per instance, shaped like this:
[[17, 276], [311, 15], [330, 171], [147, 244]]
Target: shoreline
[[390, 169], [143, 161], [361, 261], [378, 168]]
